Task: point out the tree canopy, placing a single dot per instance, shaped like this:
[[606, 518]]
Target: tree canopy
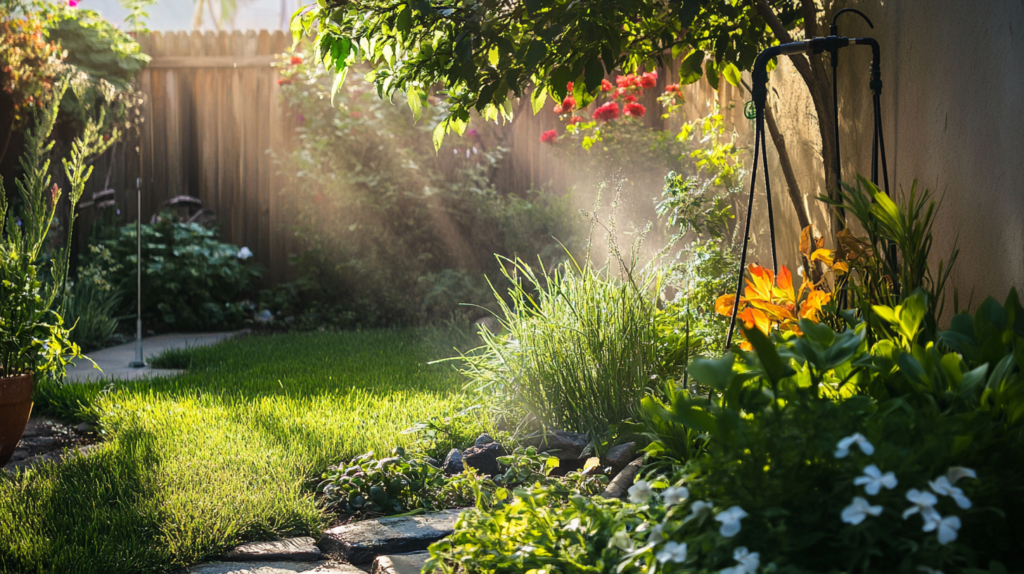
[[484, 52]]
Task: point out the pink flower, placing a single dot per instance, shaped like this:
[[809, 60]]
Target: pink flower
[[607, 112], [624, 81], [73, 3], [568, 104], [635, 110], [549, 136], [557, 109], [300, 119], [619, 92], [649, 80], [606, 86]]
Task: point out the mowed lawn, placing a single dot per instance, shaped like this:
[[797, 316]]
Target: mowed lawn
[[228, 452]]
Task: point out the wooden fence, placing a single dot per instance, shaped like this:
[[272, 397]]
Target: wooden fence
[[213, 113]]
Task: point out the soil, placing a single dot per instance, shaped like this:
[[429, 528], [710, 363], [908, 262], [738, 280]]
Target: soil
[[49, 438]]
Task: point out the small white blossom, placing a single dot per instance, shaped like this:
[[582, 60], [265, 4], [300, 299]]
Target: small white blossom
[[573, 524], [675, 495], [621, 540], [672, 552], [656, 536], [955, 473], [698, 509], [943, 487], [924, 502], [748, 562], [730, 520], [843, 446], [947, 526], [244, 253], [873, 480], [858, 510], [640, 492]]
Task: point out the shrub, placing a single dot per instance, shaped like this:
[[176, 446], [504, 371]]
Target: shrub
[[190, 280]]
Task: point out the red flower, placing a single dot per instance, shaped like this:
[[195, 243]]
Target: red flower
[[619, 92], [606, 86], [630, 99], [569, 87], [284, 81], [575, 120], [672, 89], [649, 80], [296, 60], [635, 110], [557, 109], [607, 112], [356, 114], [624, 81], [568, 104], [549, 136]]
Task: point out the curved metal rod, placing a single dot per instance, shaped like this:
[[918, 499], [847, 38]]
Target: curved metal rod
[[855, 11]]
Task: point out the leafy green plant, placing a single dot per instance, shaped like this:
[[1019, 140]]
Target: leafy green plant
[[91, 314], [368, 486], [577, 351], [190, 280], [438, 435], [33, 337]]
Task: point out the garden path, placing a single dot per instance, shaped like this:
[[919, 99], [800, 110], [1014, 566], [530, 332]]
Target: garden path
[[114, 361]]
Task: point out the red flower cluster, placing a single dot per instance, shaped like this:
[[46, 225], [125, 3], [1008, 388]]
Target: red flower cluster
[[672, 89], [607, 112], [606, 86], [284, 81], [649, 80], [296, 60], [629, 99], [550, 136], [575, 120], [567, 105], [635, 110]]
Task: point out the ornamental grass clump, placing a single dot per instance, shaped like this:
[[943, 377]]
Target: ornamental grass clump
[[578, 348]]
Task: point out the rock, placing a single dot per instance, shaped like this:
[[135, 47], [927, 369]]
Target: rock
[[432, 461], [492, 325], [411, 563], [562, 444], [453, 462], [622, 481], [320, 567], [484, 458], [361, 542], [291, 549], [483, 440], [619, 456], [85, 427]]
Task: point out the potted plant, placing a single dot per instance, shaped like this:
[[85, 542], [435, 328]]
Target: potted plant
[[33, 339]]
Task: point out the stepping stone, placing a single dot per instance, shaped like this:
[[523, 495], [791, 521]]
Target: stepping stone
[[361, 542], [622, 481], [299, 549], [321, 567], [400, 563]]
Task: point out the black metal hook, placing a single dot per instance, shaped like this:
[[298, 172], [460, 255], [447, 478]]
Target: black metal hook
[[833, 28]]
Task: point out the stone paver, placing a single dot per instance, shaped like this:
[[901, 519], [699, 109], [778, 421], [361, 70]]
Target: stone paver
[[114, 361], [411, 563], [290, 549], [361, 542], [622, 481], [320, 567]]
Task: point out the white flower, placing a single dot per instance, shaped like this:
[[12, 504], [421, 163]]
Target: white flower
[[924, 502], [858, 510], [244, 253], [675, 495], [573, 524], [947, 526], [621, 540], [656, 535], [640, 492], [955, 473], [672, 552], [748, 561], [800, 271], [730, 520], [698, 509], [843, 446], [873, 480], [943, 487]]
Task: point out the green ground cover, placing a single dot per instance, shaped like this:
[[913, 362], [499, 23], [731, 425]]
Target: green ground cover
[[222, 454]]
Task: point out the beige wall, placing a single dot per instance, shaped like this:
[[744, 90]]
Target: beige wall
[[953, 116]]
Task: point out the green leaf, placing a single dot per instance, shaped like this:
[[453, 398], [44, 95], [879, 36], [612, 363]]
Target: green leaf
[[690, 70], [339, 79], [415, 103], [774, 366], [593, 74], [712, 74], [404, 22], [535, 53], [538, 98], [716, 373], [732, 74], [438, 136]]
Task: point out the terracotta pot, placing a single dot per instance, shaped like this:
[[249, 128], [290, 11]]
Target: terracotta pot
[[15, 408]]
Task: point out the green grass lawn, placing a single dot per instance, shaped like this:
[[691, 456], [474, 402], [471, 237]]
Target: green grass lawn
[[228, 452]]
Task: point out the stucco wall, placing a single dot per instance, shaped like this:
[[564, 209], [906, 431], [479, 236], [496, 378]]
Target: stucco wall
[[953, 116]]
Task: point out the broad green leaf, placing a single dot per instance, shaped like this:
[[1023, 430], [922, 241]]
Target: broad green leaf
[[339, 79], [438, 136], [912, 313], [538, 98], [535, 53], [732, 74], [404, 22], [593, 75], [691, 70], [415, 103], [712, 74], [774, 366], [715, 373]]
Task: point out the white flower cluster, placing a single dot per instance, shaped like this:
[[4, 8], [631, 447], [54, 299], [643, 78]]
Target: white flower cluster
[[873, 480]]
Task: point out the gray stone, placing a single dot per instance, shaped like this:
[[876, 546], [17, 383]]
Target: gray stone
[[319, 567], [361, 542], [411, 563], [619, 456], [453, 463], [300, 549], [619, 485], [562, 444], [85, 427], [484, 459], [483, 439]]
